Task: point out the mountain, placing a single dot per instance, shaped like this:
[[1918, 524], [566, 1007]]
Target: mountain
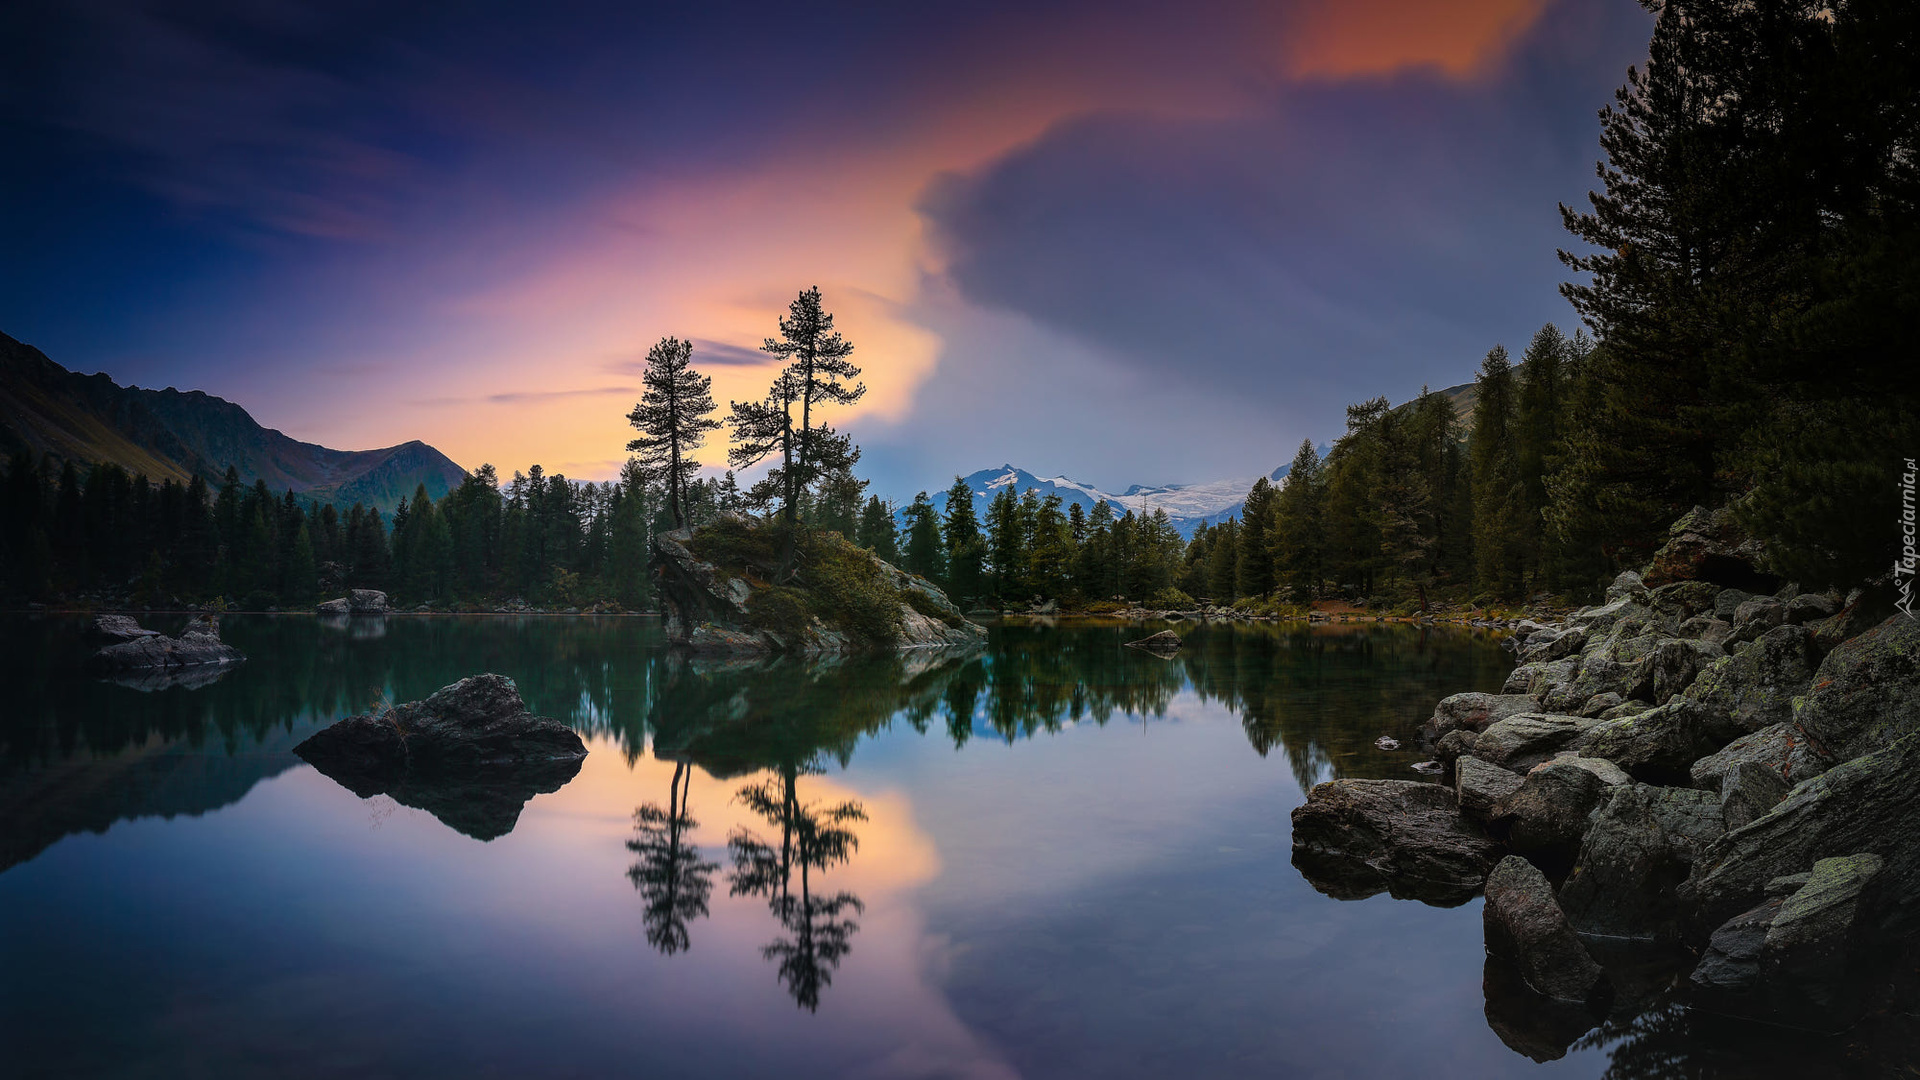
[[167, 434], [1187, 505]]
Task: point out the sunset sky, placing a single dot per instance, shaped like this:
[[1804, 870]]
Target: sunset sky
[[1129, 242]]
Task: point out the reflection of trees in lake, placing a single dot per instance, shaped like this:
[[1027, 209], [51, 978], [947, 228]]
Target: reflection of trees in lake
[[673, 879], [813, 838]]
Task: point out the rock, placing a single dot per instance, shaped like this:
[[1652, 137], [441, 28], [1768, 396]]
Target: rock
[[1527, 1021], [1660, 745], [1799, 959], [1627, 586], [1455, 743], [198, 645], [1599, 620], [1625, 710], [1708, 629], [1473, 712], [1749, 790], [1478, 786], [1523, 741], [113, 629], [1811, 607], [1598, 675], [1756, 617], [1403, 836], [471, 754], [1862, 612], [1727, 603], [1755, 688], [1428, 768], [1638, 850], [1681, 600], [1866, 693], [1710, 546], [1537, 679], [1524, 922], [1555, 645], [1387, 742], [1164, 643], [1782, 748], [1599, 705], [368, 602], [341, 606], [1548, 813], [1670, 669], [1863, 805]]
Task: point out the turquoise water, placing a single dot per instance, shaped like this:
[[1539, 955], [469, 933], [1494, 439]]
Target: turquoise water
[[1057, 858]]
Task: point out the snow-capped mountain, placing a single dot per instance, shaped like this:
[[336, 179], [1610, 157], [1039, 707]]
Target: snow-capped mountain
[[1187, 505]]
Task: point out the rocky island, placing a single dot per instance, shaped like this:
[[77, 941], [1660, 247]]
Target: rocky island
[[1720, 774], [717, 591]]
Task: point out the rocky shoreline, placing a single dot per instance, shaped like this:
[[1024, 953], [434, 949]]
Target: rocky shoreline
[[1725, 776]]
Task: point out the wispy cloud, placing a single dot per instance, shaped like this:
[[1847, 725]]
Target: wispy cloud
[[521, 397]]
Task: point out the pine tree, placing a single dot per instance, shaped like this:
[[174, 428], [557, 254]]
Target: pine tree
[[1498, 541], [1299, 529], [923, 553], [1223, 558], [673, 416], [966, 548], [1253, 561], [877, 531]]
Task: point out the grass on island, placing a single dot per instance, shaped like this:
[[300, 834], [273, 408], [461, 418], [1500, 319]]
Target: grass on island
[[840, 584]]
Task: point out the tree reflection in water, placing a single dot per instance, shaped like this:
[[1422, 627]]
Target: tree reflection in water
[[812, 839], [672, 878]]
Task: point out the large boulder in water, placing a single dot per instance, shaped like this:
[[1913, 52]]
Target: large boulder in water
[[198, 646], [471, 754], [1524, 922], [368, 602], [1352, 838], [114, 629], [1866, 693], [1640, 847]]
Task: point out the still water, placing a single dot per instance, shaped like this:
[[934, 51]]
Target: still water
[[1056, 858]]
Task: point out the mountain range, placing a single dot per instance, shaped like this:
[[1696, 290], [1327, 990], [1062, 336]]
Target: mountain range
[[169, 434]]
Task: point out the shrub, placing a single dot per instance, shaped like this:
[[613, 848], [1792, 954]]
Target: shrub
[[779, 609], [1170, 597]]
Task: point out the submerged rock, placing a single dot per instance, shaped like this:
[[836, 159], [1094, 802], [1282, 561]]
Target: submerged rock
[[198, 645], [471, 754], [1354, 838], [1524, 922]]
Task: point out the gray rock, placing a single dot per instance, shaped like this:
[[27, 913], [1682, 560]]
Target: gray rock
[[1866, 693], [1537, 679], [1599, 620], [1639, 848], [1660, 745], [340, 606], [1782, 887], [113, 629], [1164, 643], [368, 602], [198, 645], [1555, 645], [1728, 603], [1708, 629], [1548, 813], [1455, 743], [1756, 688], [1473, 712], [1670, 668], [1798, 959], [1478, 786], [1781, 748], [1599, 705], [1598, 675], [1626, 709], [1627, 586], [1862, 612], [1710, 546], [1524, 922], [1756, 617], [1812, 607], [1749, 791], [1681, 600], [1863, 805], [1523, 741], [1405, 837]]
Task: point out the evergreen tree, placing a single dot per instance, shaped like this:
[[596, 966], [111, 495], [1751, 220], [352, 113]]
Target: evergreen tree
[[1253, 561], [877, 531], [966, 547], [1299, 527], [923, 555], [1498, 497], [673, 417]]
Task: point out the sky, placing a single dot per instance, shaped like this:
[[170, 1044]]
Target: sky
[[1134, 243]]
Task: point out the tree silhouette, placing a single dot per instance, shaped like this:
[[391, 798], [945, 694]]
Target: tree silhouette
[[673, 418], [812, 839], [672, 878]]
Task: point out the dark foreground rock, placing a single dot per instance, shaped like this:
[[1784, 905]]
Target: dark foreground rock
[[1866, 693], [1547, 815], [471, 755], [1524, 923], [1639, 849], [198, 646], [1353, 838], [114, 629]]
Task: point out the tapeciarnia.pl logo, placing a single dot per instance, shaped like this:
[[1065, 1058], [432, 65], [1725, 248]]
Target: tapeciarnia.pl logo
[[1903, 566]]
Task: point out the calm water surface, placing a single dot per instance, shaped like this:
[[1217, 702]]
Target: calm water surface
[[1056, 858]]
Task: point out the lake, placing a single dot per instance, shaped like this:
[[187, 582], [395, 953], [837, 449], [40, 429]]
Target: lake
[[1056, 858]]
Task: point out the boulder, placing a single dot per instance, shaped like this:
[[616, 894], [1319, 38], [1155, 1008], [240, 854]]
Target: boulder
[[1710, 546], [340, 606], [1473, 712], [1670, 669], [1599, 705], [471, 754], [1625, 710], [1660, 745], [1478, 787], [1356, 837], [1627, 585], [1756, 617], [1798, 958], [1755, 688], [1811, 607], [1640, 847], [1524, 922], [1782, 748], [1454, 744], [198, 645], [1598, 675], [1536, 679], [1548, 813], [1863, 805], [1866, 693], [1708, 629], [1520, 742], [1861, 613], [1727, 603], [113, 629], [1681, 600], [1554, 645], [1749, 790], [1599, 620], [368, 602], [1164, 643]]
